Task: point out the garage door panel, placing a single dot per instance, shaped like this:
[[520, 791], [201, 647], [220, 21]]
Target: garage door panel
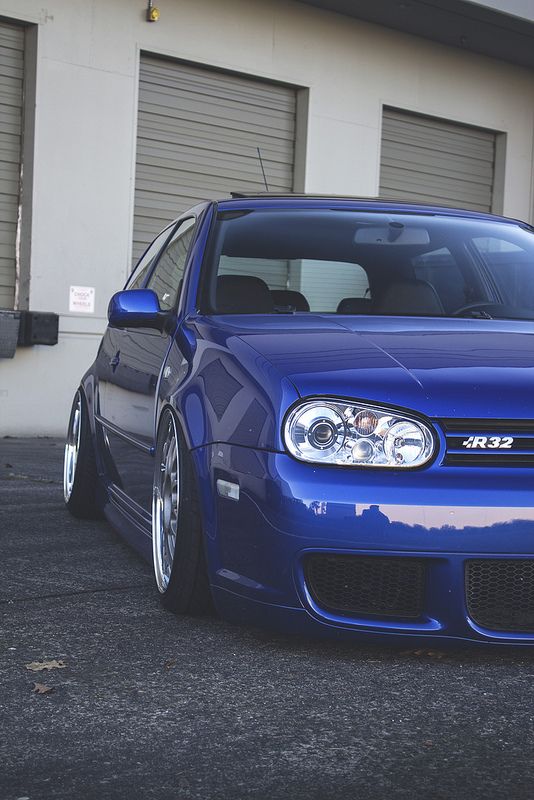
[[6, 273], [198, 134], [8, 172], [11, 99], [439, 183], [441, 150], [193, 158], [230, 139], [193, 189], [416, 197], [433, 160], [441, 164], [10, 92], [222, 115], [10, 146], [212, 84], [401, 185], [200, 160], [215, 95], [210, 128], [457, 137], [5, 253], [202, 187], [166, 95], [194, 184], [177, 148]]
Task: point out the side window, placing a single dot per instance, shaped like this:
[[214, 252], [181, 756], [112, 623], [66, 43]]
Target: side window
[[166, 279], [511, 269], [136, 279], [439, 268]]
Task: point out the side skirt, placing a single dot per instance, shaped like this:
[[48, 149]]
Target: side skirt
[[130, 520]]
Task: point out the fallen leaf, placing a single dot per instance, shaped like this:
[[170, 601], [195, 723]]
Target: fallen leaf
[[170, 663], [41, 688], [427, 743], [38, 666]]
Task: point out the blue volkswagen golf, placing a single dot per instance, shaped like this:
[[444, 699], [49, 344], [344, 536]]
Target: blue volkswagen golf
[[317, 414]]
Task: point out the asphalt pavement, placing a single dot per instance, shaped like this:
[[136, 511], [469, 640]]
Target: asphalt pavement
[[140, 704]]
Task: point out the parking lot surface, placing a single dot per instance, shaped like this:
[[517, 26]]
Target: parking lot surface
[[144, 704]]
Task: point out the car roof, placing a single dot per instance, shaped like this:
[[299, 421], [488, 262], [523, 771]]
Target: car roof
[[258, 200]]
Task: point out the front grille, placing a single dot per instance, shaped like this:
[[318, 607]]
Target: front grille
[[489, 460], [503, 426], [500, 593], [488, 442], [364, 586]]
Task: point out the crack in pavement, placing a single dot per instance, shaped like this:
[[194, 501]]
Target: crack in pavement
[[75, 593]]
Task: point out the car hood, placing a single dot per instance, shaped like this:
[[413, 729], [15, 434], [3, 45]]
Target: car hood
[[442, 368]]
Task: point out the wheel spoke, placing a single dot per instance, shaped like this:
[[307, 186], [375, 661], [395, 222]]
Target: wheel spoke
[[72, 447], [165, 507]]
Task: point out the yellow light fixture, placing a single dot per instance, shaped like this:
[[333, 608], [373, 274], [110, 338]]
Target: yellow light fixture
[[152, 13]]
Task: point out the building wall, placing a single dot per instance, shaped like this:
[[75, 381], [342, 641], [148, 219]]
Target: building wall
[[84, 151]]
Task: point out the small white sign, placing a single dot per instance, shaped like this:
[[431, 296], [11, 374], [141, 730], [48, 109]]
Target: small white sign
[[82, 299]]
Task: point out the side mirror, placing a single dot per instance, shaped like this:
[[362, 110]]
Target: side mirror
[[136, 308]]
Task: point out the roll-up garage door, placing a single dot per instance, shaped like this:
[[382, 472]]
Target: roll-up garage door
[[430, 160], [198, 134], [11, 98]]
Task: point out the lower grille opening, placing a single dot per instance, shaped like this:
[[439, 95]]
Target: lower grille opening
[[500, 593], [367, 586]]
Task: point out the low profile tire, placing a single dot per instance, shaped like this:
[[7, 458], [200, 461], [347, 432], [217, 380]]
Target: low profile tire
[[177, 544], [80, 477]]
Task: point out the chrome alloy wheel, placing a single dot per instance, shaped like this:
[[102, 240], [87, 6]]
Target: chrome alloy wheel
[[72, 447], [165, 502]]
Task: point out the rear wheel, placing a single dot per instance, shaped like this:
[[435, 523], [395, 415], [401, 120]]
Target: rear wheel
[[177, 545], [80, 477]]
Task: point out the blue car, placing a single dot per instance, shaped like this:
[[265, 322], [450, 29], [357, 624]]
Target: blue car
[[317, 414]]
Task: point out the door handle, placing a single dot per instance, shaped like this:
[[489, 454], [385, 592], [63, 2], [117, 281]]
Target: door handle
[[115, 361]]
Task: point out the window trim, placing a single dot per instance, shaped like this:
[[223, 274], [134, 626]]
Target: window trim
[[194, 229], [170, 227]]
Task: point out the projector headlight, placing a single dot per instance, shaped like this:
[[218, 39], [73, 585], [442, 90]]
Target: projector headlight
[[358, 435]]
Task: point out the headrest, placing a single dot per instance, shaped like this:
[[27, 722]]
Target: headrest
[[410, 297], [243, 294], [287, 297], [355, 305]]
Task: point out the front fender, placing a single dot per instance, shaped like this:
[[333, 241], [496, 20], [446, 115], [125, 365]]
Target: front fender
[[228, 392]]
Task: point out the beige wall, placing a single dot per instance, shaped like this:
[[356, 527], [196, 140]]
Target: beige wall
[[87, 62]]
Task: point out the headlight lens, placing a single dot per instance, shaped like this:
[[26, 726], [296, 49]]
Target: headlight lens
[[354, 434]]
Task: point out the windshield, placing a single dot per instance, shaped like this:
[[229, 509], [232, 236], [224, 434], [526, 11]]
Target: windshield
[[331, 261]]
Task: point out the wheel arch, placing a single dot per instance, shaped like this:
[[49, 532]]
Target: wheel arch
[[87, 386]]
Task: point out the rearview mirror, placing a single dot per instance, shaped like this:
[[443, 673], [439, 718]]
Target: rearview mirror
[[135, 308], [393, 234]]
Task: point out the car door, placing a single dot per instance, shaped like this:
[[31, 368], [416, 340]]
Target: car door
[[129, 366]]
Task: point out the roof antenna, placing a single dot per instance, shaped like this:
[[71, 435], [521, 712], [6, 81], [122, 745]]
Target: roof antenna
[[262, 169]]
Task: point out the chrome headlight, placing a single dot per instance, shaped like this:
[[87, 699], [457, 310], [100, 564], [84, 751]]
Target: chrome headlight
[[355, 434]]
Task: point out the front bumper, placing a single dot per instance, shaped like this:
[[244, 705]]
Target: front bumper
[[287, 510]]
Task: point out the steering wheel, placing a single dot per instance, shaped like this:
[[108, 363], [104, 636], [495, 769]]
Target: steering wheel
[[473, 306]]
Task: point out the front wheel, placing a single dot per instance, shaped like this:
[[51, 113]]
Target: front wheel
[[177, 545], [80, 477]]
